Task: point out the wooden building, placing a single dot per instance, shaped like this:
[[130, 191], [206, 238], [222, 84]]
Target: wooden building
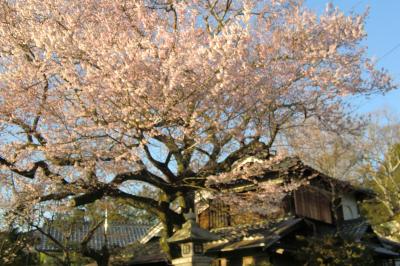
[[322, 208]]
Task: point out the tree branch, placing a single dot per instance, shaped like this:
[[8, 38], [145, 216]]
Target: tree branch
[[144, 176], [27, 173], [159, 165]]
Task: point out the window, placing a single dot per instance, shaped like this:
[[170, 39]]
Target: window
[[215, 216], [348, 212], [186, 249], [349, 207], [198, 248], [248, 261], [218, 214], [220, 262]]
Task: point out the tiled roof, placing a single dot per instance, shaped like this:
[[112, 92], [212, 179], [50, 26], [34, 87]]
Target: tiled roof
[[191, 231], [293, 168], [354, 229], [231, 238], [384, 251], [358, 229], [390, 243], [118, 235], [150, 252], [249, 236], [265, 235], [152, 232]]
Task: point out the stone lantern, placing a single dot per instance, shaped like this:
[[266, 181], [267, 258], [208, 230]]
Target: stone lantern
[[191, 238]]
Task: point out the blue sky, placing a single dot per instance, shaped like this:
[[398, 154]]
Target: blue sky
[[383, 28]]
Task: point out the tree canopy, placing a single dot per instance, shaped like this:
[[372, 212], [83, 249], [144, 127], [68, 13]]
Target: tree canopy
[[99, 96]]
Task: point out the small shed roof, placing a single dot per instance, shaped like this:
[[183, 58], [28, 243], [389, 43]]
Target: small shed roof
[[354, 229], [192, 232]]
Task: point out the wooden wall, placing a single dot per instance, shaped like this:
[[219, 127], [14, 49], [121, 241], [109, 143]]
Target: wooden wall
[[310, 202], [313, 203], [215, 216]]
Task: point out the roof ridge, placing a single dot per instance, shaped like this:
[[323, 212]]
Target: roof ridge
[[257, 225]]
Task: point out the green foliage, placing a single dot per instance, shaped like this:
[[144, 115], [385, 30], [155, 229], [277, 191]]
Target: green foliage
[[371, 159], [384, 210], [15, 249], [125, 254], [333, 251], [50, 259]]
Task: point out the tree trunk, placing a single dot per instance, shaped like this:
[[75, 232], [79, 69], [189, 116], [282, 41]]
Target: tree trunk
[[66, 260], [189, 202], [171, 250], [104, 258], [103, 262], [171, 222]]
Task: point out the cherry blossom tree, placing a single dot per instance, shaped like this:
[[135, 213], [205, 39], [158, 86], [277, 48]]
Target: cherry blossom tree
[[99, 96]]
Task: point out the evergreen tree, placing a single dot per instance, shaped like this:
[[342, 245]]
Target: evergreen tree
[[383, 211]]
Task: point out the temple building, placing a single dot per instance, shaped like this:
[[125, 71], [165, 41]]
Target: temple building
[[324, 210]]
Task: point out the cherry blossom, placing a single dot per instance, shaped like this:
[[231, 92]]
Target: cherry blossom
[[100, 96]]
